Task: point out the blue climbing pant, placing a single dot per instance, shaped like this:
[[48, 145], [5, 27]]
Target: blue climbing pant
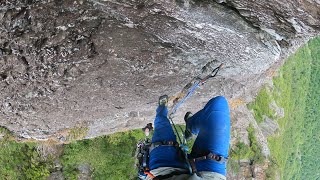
[[164, 156], [212, 127]]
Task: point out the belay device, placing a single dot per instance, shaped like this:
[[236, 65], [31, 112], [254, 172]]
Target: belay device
[[143, 146]]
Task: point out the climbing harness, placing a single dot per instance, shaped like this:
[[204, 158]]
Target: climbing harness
[[145, 147]]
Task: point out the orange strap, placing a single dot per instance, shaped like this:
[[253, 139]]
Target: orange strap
[[149, 174]]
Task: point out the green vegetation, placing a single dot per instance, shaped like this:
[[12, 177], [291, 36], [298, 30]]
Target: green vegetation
[[296, 89], [110, 157], [255, 156], [233, 166], [238, 152], [251, 152], [21, 160], [241, 151], [180, 129], [77, 133], [261, 105]]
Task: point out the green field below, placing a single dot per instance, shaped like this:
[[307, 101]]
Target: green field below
[[109, 157], [295, 146]]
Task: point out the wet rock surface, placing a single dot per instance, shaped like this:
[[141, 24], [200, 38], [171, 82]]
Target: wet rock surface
[[103, 64]]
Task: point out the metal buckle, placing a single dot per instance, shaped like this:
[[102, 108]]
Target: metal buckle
[[218, 158]]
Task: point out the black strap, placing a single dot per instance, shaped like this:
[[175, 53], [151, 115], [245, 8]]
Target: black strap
[[217, 158], [163, 143], [169, 175], [211, 156]]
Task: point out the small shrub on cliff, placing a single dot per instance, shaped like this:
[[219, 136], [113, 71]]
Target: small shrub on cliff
[[261, 106], [256, 150]]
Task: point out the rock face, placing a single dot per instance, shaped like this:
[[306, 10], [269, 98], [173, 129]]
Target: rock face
[[282, 19], [103, 64]]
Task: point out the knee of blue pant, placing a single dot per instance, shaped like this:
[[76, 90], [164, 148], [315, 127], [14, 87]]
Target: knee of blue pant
[[218, 103]]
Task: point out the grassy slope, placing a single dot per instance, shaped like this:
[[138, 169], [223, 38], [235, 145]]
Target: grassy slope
[[21, 160], [261, 105], [110, 157], [296, 89], [311, 126]]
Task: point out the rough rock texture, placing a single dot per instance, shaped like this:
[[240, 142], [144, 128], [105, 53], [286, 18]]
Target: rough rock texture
[[103, 64], [268, 126], [282, 19]]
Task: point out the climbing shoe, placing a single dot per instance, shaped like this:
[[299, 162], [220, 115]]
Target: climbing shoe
[[187, 132], [163, 100]]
